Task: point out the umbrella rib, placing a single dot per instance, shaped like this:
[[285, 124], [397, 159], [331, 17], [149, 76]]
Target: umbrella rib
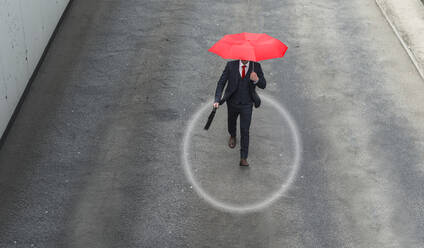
[[253, 48]]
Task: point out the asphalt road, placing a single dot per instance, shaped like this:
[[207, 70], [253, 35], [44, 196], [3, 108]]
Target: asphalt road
[[94, 156]]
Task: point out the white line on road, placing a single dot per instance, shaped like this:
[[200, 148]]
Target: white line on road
[[250, 207]]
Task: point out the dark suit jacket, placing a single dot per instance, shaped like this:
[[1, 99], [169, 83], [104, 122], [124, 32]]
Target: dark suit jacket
[[232, 74]]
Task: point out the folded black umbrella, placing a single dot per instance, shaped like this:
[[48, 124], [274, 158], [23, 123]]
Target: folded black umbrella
[[210, 118]]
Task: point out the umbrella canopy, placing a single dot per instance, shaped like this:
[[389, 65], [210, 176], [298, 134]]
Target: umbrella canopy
[[249, 46]]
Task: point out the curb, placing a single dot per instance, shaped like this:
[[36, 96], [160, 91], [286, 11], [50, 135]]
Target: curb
[[398, 17]]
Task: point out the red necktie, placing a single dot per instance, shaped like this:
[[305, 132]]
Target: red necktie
[[243, 73]]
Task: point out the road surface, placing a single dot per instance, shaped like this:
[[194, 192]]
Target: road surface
[[94, 156]]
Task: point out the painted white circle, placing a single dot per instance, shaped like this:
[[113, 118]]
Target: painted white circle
[[248, 207]]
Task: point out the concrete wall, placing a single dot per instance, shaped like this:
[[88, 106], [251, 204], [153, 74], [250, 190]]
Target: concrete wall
[[25, 29]]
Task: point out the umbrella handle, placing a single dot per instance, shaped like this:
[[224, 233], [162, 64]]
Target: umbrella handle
[[253, 67]]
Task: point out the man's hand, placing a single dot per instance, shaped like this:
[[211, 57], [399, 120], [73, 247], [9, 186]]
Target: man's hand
[[216, 105], [253, 76]]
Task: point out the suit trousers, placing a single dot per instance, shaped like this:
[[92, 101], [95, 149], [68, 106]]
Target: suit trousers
[[245, 112]]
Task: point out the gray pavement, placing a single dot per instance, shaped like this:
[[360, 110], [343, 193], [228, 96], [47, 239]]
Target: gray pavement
[[407, 21], [93, 158]]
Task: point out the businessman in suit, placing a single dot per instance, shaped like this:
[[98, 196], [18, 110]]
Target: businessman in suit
[[240, 96]]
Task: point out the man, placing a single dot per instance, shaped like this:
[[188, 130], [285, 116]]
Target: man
[[240, 95]]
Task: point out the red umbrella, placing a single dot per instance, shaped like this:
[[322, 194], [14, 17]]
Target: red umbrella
[[249, 46]]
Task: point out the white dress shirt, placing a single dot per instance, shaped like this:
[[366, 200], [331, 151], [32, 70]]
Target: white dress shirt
[[245, 69]]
